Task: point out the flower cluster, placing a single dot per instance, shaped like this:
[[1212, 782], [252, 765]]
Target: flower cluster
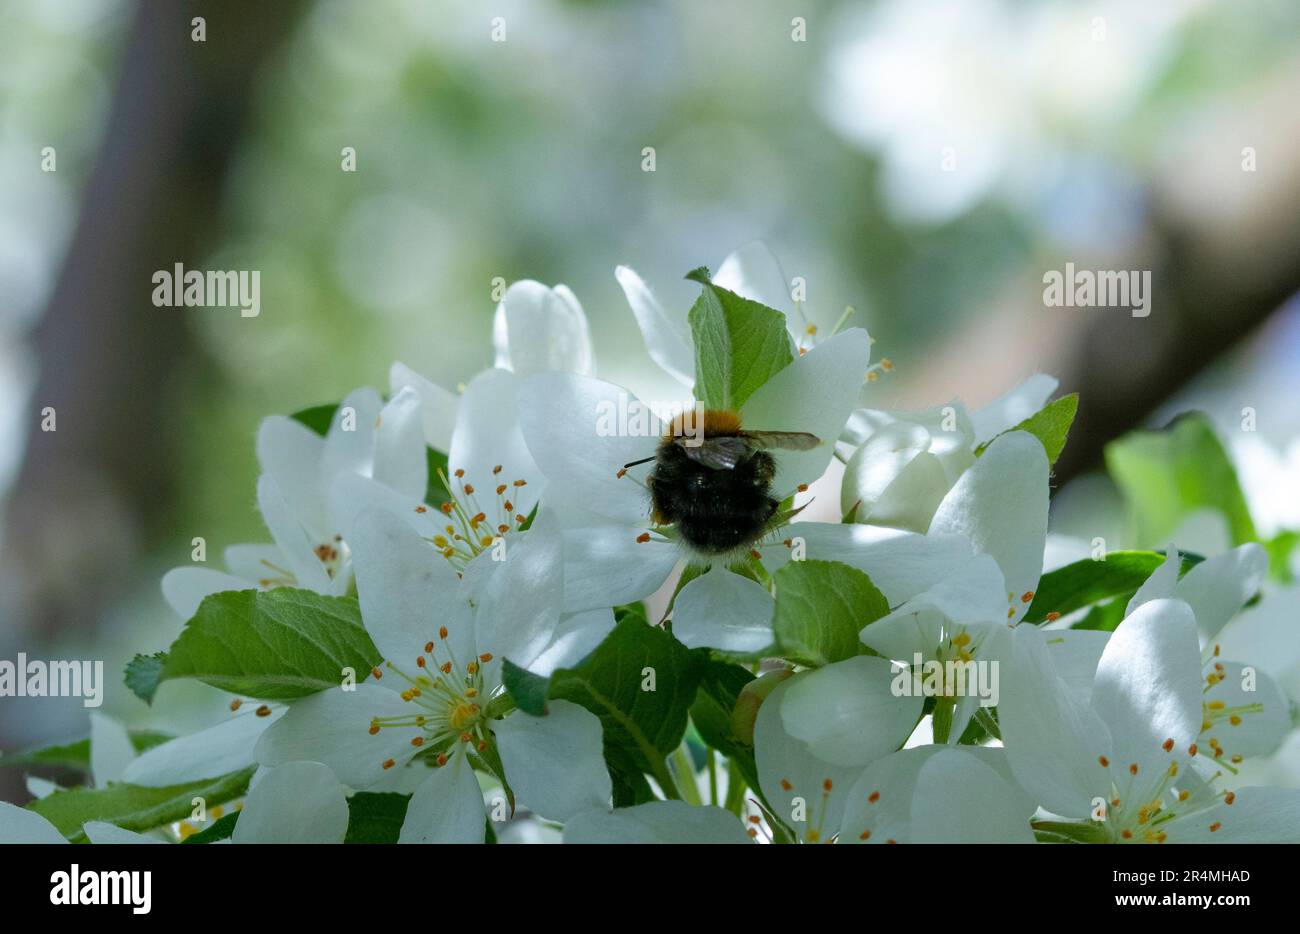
[[482, 602]]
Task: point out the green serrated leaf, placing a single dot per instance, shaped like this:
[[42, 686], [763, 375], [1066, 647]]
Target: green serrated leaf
[[739, 344], [143, 674], [278, 645], [376, 817], [1051, 424], [1167, 474], [1086, 582], [134, 807], [821, 606], [221, 829]]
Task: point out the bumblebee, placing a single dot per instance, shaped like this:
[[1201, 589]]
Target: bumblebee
[[715, 483]]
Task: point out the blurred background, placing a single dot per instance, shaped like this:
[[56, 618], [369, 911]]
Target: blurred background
[[923, 161]]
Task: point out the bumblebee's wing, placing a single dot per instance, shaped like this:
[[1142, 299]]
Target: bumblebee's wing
[[785, 440], [721, 453]]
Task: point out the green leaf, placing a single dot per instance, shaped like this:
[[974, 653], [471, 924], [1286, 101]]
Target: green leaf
[[712, 711], [76, 755], [641, 727], [134, 807], [1166, 474], [221, 829], [630, 788], [278, 645], [376, 817], [720, 686], [821, 606], [739, 344], [635, 611], [143, 674], [1086, 582], [1050, 425], [528, 690]]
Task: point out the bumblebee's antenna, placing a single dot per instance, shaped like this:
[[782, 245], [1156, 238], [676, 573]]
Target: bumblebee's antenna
[[644, 460]]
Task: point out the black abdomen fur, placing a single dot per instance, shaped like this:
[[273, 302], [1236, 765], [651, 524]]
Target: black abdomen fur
[[716, 511]]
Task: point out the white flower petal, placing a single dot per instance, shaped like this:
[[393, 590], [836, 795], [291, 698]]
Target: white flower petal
[[291, 537], [1052, 737], [879, 805], [753, 272], [536, 329], [657, 822], [1257, 815], [400, 462], [447, 807], [110, 749], [298, 802], [101, 832], [974, 594], [1162, 583], [518, 600], [723, 610], [333, 727], [1013, 408], [437, 405], [667, 336], [1075, 654], [848, 713], [290, 453], [606, 566], [793, 779], [1000, 504], [19, 825], [816, 393], [893, 480], [1215, 589], [934, 794], [555, 763], [219, 749], [572, 427], [1148, 684], [1258, 733], [350, 441], [407, 590], [575, 638], [959, 799], [900, 564], [252, 563], [184, 588], [488, 436]]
